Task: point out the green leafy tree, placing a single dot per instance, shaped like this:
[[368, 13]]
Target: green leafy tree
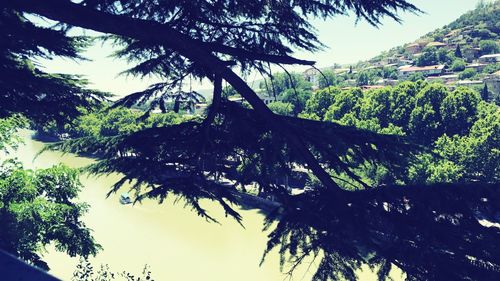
[[489, 47], [363, 79], [297, 97], [120, 121], [328, 79], [86, 125], [485, 136], [467, 73], [414, 77], [477, 153], [280, 82], [164, 119], [345, 102], [8, 128], [116, 121], [390, 73], [321, 100], [491, 68], [426, 170], [470, 157], [376, 104], [402, 103], [458, 52], [425, 119], [458, 65], [38, 208], [282, 108], [458, 111], [429, 57], [444, 56], [485, 93]]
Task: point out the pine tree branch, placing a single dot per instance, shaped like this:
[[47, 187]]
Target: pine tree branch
[[195, 50], [156, 32]]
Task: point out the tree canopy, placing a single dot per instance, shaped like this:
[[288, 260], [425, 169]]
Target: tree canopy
[[39, 207]]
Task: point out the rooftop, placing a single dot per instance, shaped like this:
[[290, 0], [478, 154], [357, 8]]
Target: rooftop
[[422, 68], [469, 82], [436, 44], [490, 56], [446, 77], [476, 64]]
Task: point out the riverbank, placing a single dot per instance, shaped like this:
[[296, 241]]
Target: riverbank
[[247, 200]]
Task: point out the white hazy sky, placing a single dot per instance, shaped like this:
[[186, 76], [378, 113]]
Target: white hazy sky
[[347, 42]]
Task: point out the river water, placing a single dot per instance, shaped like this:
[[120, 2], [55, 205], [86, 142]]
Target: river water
[[176, 243]]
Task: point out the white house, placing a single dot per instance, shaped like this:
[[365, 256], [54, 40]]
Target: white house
[[430, 70], [494, 58]]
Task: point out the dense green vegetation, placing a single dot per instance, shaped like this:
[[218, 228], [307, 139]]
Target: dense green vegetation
[[105, 122], [474, 34], [462, 130], [39, 207], [478, 28]]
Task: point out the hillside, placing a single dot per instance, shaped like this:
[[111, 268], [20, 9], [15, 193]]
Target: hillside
[[477, 33], [462, 53]]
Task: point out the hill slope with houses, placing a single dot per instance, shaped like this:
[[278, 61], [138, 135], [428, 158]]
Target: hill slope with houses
[[465, 52]]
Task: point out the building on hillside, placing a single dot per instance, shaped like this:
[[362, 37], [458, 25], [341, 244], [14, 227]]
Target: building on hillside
[[452, 33], [471, 53], [465, 83], [468, 83], [200, 108], [380, 63], [493, 83], [494, 58], [453, 37], [436, 44], [446, 79], [312, 75], [267, 99], [341, 70], [373, 67], [477, 66], [403, 61], [371, 87], [393, 60], [431, 70], [413, 48], [380, 66], [386, 82]]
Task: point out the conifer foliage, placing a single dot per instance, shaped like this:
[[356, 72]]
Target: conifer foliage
[[25, 87]]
